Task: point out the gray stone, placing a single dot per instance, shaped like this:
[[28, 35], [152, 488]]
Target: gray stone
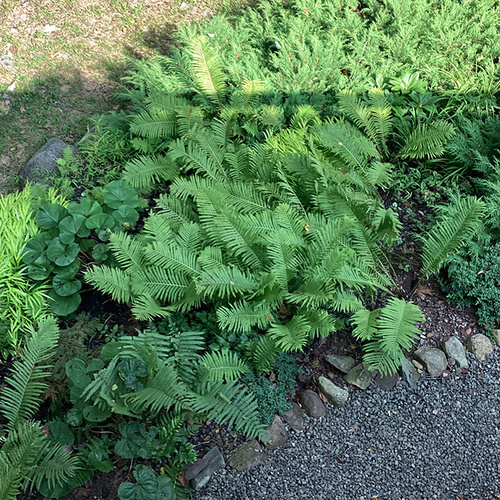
[[480, 345], [410, 373], [456, 350], [434, 360], [312, 404], [277, 434], [7, 61], [199, 473], [360, 376], [386, 382], [247, 456], [294, 417], [495, 334], [342, 363], [43, 164], [336, 395]]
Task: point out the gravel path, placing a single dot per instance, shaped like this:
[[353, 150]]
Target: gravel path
[[440, 442]]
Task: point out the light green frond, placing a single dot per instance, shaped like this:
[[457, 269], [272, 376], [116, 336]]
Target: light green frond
[[427, 140], [110, 280], [207, 70], [293, 336], [223, 366], [144, 172], [242, 316]]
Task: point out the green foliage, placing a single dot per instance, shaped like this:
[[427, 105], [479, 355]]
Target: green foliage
[[305, 46], [271, 397], [147, 486], [69, 233], [458, 220], [22, 302], [27, 458], [388, 331], [474, 280]]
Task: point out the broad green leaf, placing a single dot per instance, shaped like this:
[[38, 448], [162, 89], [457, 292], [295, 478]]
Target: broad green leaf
[[62, 306], [64, 286], [73, 225], [60, 254], [50, 215], [34, 248], [100, 221], [126, 215], [40, 269], [118, 193], [85, 207]]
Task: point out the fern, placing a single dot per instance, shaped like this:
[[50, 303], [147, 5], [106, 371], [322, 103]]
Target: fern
[[223, 366], [427, 140], [21, 397], [207, 70], [457, 221], [389, 331], [144, 172], [26, 457]]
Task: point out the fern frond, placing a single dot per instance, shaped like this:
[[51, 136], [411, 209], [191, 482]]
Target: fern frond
[[223, 366], [110, 280], [207, 70], [128, 251], [262, 353], [144, 172], [457, 222], [20, 398], [395, 331], [292, 336], [242, 316], [161, 284], [427, 140], [366, 323], [225, 282]]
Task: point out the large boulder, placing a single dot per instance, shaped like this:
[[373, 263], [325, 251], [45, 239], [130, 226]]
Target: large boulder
[[434, 360], [43, 164], [336, 395], [277, 435]]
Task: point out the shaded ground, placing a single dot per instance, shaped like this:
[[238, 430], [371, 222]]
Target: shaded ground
[[66, 59]]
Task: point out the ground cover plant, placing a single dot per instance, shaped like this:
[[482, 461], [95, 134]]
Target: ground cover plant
[[246, 203]]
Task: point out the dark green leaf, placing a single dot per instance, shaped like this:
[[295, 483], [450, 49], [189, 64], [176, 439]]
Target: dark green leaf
[[85, 207], [60, 254], [34, 248], [61, 433], [62, 306], [40, 269], [119, 193], [100, 221], [64, 286], [50, 215], [126, 215]]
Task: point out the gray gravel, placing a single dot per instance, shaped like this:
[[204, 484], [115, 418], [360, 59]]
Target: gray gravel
[[438, 442]]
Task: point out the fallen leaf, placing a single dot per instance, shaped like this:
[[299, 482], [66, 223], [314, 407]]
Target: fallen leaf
[[22, 109], [352, 346], [272, 377], [182, 479], [460, 496]]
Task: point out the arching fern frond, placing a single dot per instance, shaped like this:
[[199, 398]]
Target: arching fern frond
[[146, 171], [427, 140], [223, 366], [457, 221]]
